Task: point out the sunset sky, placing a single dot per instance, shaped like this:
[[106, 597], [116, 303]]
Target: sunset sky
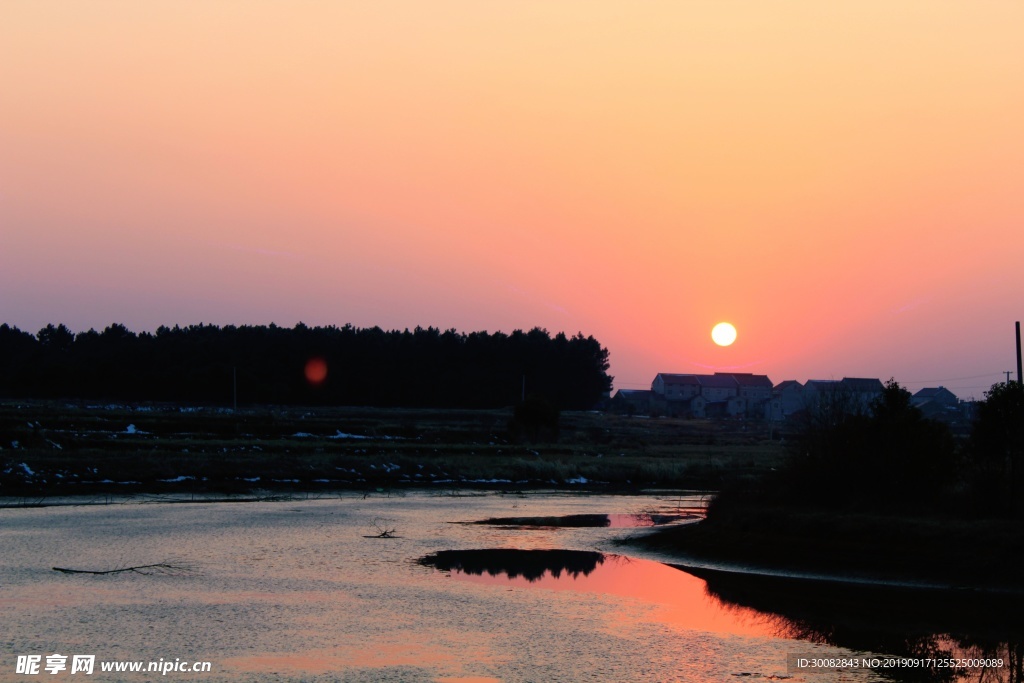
[[843, 181]]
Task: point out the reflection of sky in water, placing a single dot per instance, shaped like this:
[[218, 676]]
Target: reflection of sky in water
[[292, 591], [669, 595], [865, 617]]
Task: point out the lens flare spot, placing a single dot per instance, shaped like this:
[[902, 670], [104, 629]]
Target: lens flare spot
[[316, 370]]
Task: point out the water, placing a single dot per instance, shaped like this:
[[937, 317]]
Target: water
[[301, 591]]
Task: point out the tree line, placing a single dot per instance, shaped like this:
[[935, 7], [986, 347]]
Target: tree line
[[891, 458], [208, 364]]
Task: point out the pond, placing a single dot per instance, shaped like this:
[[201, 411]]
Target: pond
[[406, 588]]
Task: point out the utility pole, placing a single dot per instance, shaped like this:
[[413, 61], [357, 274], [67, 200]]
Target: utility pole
[[1007, 373], [1019, 379]]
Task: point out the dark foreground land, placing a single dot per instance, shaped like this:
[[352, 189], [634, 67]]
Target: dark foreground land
[[937, 550], [50, 449], [882, 494]]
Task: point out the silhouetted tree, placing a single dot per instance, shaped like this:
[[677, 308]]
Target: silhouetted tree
[[890, 456], [997, 447], [58, 338], [916, 456], [419, 368]]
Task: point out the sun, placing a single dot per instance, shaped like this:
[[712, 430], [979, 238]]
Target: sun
[[723, 334]]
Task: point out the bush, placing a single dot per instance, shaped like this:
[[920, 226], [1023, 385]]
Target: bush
[[535, 419], [996, 449], [890, 458]]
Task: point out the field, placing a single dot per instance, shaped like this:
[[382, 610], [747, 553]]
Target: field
[[65, 448]]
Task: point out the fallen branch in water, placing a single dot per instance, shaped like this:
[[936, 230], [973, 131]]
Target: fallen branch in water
[[145, 569], [385, 532]]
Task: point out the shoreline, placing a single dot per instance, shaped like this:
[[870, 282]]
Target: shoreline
[[8, 502], [928, 553]]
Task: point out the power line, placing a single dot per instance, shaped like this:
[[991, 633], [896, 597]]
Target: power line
[[949, 379]]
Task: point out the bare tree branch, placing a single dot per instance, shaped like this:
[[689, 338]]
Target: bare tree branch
[[145, 569]]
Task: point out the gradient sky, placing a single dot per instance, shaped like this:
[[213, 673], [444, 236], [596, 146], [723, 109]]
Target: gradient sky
[[843, 181]]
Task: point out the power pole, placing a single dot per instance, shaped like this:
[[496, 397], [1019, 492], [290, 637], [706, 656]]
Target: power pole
[[1007, 373], [1019, 380]]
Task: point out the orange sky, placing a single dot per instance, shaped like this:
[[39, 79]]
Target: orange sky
[[842, 181]]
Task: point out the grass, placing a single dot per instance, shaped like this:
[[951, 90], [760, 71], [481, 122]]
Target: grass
[[56, 448]]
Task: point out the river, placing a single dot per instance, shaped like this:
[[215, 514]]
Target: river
[[310, 590]]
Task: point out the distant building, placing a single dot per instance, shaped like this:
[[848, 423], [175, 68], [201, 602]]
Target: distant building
[[755, 388], [675, 387], [849, 395], [864, 390], [940, 396], [718, 387], [939, 403], [632, 401], [787, 400], [721, 394], [746, 395]]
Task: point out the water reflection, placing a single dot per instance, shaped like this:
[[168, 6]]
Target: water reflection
[[672, 597], [872, 619], [612, 521], [529, 564], [906, 622]]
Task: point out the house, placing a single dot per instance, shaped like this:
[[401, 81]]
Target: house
[[939, 403], [722, 394], [718, 387], [940, 396], [632, 401], [746, 395], [821, 393], [676, 387], [846, 396], [754, 388], [864, 390], [673, 394], [787, 399]]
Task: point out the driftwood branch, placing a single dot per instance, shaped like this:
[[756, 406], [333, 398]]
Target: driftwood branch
[[382, 528], [145, 569]]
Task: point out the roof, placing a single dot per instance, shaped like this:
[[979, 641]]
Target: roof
[[632, 393], [717, 381], [931, 392], [863, 384], [788, 384], [670, 378], [746, 379]]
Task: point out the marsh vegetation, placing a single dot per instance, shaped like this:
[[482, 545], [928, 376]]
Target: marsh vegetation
[[59, 448]]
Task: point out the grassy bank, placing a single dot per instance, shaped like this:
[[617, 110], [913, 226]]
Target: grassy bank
[[979, 553], [61, 448]]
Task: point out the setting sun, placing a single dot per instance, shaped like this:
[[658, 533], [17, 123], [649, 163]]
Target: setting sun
[[723, 334]]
